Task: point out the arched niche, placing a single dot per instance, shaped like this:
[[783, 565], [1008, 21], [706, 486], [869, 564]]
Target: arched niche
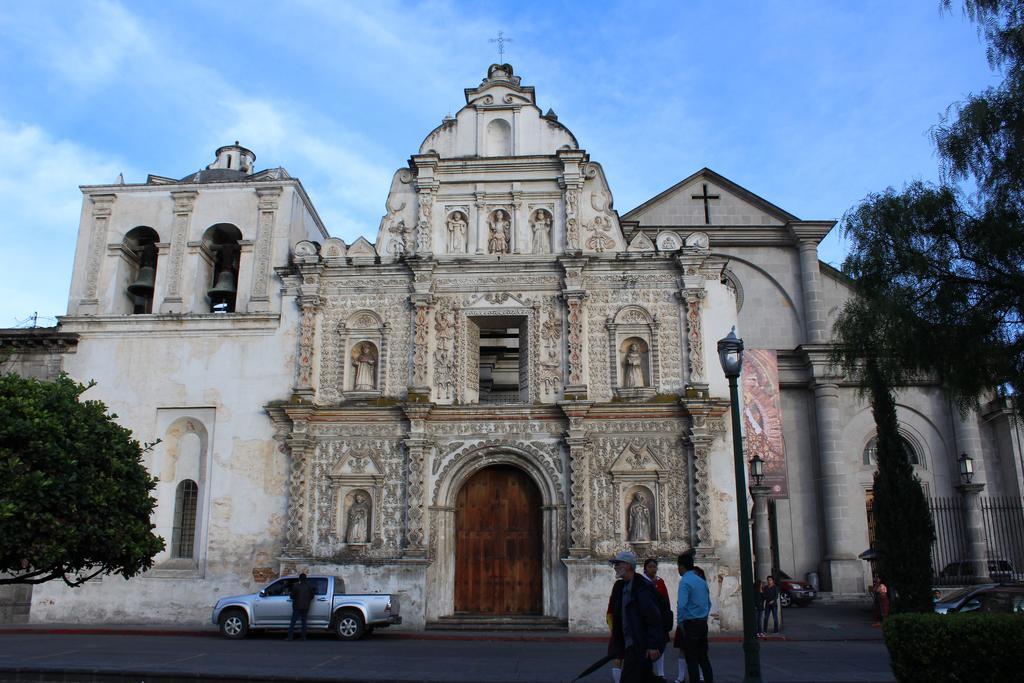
[[456, 226], [364, 344], [499, 138], [356, 482], [542, 224], [640, 518], [181, 464], [500, 232], [633, 326], [220, 253], [139, 254]]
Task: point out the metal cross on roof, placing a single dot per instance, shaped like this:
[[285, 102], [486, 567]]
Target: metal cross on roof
[[707, 207], [501, 40]]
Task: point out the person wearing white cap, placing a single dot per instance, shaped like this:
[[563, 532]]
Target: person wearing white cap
[[638, 633]]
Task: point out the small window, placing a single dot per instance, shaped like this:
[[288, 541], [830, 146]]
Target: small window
[[319, 585], [871, 452], [184, 534], [339, 585]]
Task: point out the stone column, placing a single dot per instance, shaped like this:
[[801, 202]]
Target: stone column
[[694, 299], [813, 296], [310, 268], [974, 526], [579, 468], [840, 565], [183, 205], [574, 295], [481, 224], [421, 341], [418, 446], [762, 534], [102, 208], [968, 440], [259, 299], [300, 446]]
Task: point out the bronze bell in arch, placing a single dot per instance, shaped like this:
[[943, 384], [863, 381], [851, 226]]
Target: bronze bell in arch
[[146, 280], [223, 292]]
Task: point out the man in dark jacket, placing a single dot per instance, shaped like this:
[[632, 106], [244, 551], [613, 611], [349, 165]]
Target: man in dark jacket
[[302, 596], [638, 634]]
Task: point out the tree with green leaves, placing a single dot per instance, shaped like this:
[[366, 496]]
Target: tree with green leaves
[[75, 498], [938, 272]]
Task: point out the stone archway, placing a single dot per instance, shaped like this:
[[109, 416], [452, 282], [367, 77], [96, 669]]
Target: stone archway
[[459, 469], [498, 544]]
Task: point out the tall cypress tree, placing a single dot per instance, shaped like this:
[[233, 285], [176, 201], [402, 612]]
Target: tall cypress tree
[[903, 524]]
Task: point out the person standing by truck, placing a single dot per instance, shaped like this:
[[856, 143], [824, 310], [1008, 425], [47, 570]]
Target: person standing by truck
[[302, 597]]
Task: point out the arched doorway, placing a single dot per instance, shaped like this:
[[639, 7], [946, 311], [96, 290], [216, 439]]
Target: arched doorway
[[498, 546]]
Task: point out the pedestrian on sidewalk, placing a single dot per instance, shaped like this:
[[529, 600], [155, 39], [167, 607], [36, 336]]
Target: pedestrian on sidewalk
[[302, 597], [694, 605], [771, 605], [881, 593], [638, 631], [651, 572], [614, 650], [759, 607]]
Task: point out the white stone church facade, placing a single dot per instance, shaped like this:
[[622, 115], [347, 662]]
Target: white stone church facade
[[478, 408]]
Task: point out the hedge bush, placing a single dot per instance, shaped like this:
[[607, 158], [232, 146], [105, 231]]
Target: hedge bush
[[955, 647]]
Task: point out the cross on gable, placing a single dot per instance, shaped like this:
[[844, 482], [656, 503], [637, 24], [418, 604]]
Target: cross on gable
[[501, 40], [707, 207]]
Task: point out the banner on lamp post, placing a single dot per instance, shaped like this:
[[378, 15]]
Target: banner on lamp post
[[762, 417]]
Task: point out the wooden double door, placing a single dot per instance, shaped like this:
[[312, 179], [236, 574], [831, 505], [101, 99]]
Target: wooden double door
[[498, 546]]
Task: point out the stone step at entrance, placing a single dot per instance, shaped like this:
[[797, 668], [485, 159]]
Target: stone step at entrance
[[489, 622]]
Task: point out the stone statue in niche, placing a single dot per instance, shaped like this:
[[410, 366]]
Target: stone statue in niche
[[457, 225], [633, 368], [365, 362], [639, 519], [500, 229], [357, 530], [541, 232]]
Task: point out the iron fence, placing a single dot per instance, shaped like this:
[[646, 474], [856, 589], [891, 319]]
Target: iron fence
[[950, 546], [1004, 533], [1003, 519]]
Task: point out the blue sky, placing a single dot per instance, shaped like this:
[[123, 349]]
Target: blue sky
[[809, 104]]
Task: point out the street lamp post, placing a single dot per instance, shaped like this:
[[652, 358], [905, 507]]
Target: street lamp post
[[730, 352]]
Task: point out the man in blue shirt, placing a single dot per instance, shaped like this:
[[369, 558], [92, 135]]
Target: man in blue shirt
[[694, 605]]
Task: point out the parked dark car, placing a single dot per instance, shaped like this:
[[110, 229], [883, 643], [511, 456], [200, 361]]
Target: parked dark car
[[986, 598], [963, 572], [793, 592]]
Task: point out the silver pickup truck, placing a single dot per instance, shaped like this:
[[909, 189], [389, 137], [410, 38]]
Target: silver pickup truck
[[349, 616]]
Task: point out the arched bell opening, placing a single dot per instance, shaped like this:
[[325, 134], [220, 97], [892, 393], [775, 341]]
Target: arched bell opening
[[221, 245], [140, 247]]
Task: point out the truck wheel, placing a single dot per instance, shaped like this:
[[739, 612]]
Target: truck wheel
[[349, 625], [234, 624]]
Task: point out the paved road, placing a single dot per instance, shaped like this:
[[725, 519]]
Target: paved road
[[163, 658]]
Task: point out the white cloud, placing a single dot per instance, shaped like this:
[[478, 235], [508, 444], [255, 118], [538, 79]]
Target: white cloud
[[39, 182]]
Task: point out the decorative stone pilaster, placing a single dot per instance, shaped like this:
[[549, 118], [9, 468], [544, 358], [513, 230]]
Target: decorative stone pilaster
[[426, 187], [184, 202], [579, 472], [422, 301], [574, 295], [762, 532], [299, 445], [694, 299], [974, 528], [102, 208], [706, 425], [269, 198], [418, 447], [571, 182], [310, 267]]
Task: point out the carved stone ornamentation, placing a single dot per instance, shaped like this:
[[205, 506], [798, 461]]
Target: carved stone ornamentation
[[499, 227], [307, 328], [444, 351], [599, 237], [572, 226], [695, 334], [540, 227], [574, 303], [456, 227]]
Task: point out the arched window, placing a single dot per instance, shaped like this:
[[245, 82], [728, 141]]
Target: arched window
[[183, 539], [140, 245], [871, 452], [499, 138], [221, 243]]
